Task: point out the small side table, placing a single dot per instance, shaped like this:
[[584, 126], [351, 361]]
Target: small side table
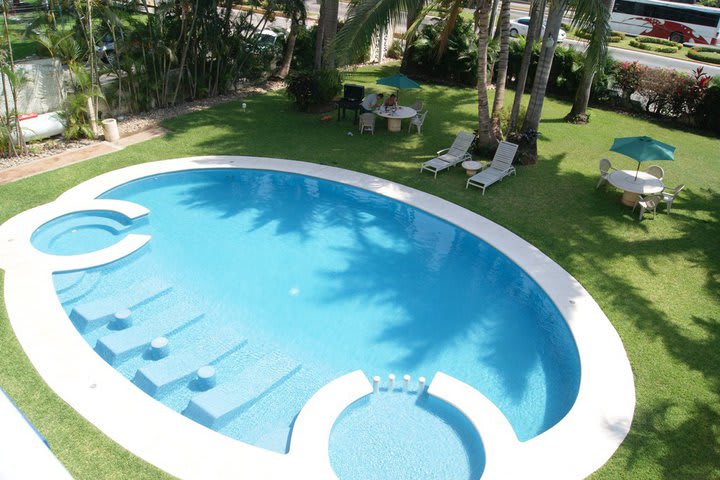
[[471, 167]]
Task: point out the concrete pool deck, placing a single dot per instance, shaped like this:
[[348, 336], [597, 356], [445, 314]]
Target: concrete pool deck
[[575, 447]]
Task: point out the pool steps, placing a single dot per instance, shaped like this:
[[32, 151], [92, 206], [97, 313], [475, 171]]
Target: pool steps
[[66, 281], [74, 292], [162, 375], [119, 346], [216, 406], [89, 316]]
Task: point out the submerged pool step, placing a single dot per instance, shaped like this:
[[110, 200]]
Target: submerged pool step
[[214, 407], [118, 346], [91, 315], [160, 376], [72, 292]]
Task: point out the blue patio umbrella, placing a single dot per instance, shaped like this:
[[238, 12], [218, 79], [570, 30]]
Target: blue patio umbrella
[[643, 149], [398, 81]]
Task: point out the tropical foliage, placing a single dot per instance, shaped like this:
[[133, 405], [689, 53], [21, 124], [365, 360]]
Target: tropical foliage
[[459, 63]]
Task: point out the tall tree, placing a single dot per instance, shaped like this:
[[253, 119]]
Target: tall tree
[[366, 17], [536, 18], [319, 34], [295, 9], [485, 139], [504, 26], [493, 17], [455, 7], [330, 26], [594, 61], [585, 14]]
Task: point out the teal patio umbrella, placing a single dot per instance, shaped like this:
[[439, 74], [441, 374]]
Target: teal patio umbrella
[[643, 149], [398, 81]]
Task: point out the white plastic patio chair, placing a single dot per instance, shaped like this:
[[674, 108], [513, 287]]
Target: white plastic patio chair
[[647, 203], [668, 196], [656, 171], [605, 169], [500, 167], [367, 123], [417, 106], [449, 157], [418, 121]]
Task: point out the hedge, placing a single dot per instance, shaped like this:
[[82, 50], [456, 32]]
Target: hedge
[[704, 54], [659, 41], [614, 37], [652, 48]]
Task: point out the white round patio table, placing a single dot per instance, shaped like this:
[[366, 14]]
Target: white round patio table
[[395, 118], [471, 167], [644, 184]]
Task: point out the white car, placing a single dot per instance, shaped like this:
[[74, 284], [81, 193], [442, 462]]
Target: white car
[[519, 26]]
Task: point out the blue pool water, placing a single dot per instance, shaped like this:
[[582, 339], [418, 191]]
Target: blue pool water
[[306, 280]]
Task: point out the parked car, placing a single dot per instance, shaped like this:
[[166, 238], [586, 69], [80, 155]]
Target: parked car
[[519, 26]]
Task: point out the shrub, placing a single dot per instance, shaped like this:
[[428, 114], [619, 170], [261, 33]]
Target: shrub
[[458, 64], [658, 41], [706, 110], [308, 89], [628, 76], [395, 50], [614, 37], [704, 54], [652, 48]]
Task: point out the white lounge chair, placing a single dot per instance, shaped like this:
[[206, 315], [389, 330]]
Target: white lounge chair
[[449, 157], [500, 167]]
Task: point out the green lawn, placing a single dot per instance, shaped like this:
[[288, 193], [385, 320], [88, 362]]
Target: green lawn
[[22, 47], [658, 280]]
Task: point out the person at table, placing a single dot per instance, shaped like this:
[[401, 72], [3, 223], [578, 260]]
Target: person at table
[[370, 102], [391, 101]]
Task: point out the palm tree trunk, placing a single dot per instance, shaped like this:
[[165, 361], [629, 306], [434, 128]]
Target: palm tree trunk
[[319, 40], [493, 17], [449, 25], [578, 113], [528, 146], [536, 19], [289, 50], [537, 28], [502, 68], [329, 31], [485, 140]]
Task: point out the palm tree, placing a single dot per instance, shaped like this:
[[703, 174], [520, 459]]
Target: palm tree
[[594, 61], [365, 17], [536, 18], [504, 27], [295, 9], [586, 14], [485, 139], [326, 31]]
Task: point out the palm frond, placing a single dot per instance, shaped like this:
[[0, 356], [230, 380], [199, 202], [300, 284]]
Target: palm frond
[[364, 19], [594, 16]]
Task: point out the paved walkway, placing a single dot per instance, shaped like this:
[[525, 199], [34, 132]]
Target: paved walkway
[[86, 153]]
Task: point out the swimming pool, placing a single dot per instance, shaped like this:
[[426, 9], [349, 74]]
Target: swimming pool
[[367, 283]]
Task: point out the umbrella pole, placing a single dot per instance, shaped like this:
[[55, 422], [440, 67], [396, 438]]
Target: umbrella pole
[[636, 171]]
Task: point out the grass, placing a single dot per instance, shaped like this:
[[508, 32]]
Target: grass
[[22, 47], [658, 280]]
